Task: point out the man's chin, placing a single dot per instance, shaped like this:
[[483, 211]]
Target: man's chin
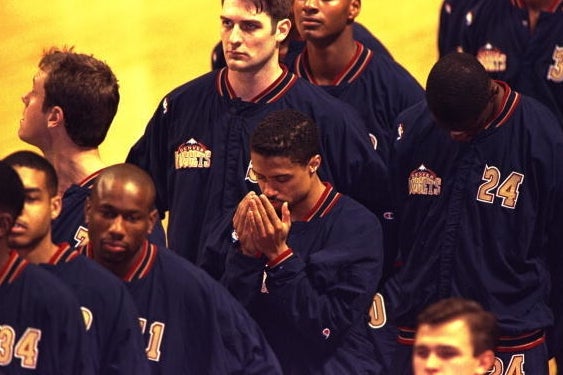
[[112, 257], [18, 242], [113, 254]]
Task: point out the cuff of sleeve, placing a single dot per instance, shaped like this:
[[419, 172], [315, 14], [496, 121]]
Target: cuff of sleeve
[[280, 258]]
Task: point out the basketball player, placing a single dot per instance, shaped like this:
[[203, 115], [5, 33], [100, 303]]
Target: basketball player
[[41, 325], [110, 315], [196, 144], [191, 324]]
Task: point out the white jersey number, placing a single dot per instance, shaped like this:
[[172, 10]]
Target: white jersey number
[[515, 367], [508, 190], [156, 333], [26, 348]]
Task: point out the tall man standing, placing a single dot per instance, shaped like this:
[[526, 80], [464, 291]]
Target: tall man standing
[[479, 180], [371, 81], [196, 144]]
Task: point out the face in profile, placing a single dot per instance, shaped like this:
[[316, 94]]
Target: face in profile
[[33, 124], [33, 226], [120, 216], [447, 349]]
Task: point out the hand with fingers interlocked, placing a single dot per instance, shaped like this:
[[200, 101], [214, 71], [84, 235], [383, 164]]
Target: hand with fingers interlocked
[[259, 228]]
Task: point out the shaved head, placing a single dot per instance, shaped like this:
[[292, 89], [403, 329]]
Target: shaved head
[[127, 174], [120, 214]]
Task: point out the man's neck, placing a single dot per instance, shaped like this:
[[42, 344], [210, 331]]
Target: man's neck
[[122, 268], [539, 5], [4, 253], [248, 85], [304, 208], [327, 60], [73, 165], [41, 252], [498, 100], [535, 7]]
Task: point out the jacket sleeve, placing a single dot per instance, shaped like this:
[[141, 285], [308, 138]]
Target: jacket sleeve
[[150, 152], [126, 351], [322, 299]]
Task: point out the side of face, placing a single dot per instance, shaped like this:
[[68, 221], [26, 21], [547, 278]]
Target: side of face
[[322, 19], [6, 223], [249, 42], [34, 224], [119, 219], [447, 349], [33, 124]]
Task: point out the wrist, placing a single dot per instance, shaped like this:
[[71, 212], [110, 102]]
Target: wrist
[[280, 258]]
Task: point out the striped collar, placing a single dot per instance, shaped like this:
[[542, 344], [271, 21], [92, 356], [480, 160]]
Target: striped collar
[[350, 73], [510, 101], [271, 94], [12, 268], [89, 181], [65, 253], [553, 7], [325, 203], [142, 265]]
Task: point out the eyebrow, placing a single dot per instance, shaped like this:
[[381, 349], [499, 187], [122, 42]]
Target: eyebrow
[[32, 190], [243, 20], [275, 176]]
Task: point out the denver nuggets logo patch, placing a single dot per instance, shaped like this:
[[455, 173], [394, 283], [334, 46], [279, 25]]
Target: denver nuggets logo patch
[[493, 59], [192, 154], [423, 181]]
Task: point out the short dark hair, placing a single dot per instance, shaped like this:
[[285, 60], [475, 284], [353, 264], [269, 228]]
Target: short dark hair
[[87, 91], [287, 133], [457, 90], [12, 193], [35, 161], [482, 324], [277, 9]]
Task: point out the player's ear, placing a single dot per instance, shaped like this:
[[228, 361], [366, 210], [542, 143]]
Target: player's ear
[[87, 208], [354, 9], [314, 163], [486, 362], [153, 217], [6, 223], [56, 206], [283, 28], [55, 117]]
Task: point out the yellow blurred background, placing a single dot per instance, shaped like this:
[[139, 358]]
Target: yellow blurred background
[[153, 47]]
